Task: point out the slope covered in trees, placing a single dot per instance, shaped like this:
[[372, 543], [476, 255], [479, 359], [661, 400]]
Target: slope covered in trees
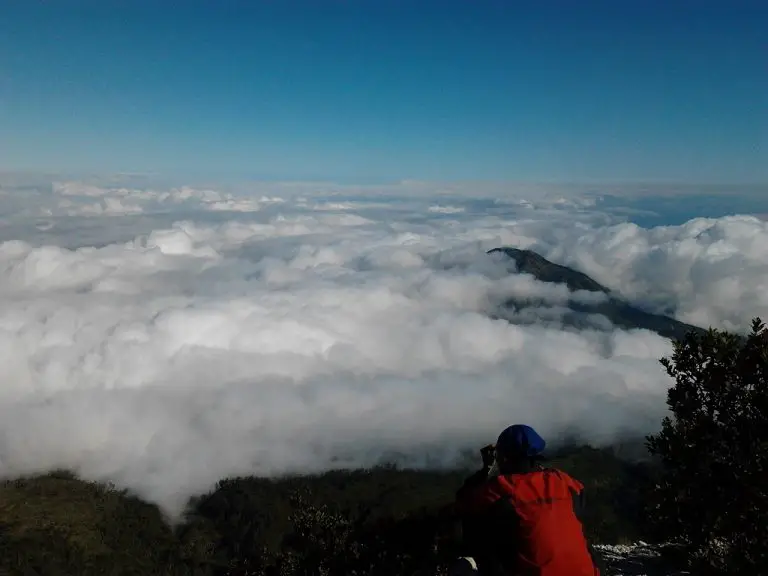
[[384, 520]]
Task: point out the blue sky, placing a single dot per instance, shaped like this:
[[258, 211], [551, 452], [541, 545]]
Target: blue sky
[[375, 90]]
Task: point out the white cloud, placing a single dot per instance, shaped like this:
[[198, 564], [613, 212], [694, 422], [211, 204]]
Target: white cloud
[[709, 271], [80, 189], [276, 340], [105, 207], [438, 209], [115, 200]]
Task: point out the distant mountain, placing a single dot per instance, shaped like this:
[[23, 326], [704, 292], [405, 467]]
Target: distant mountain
[[620, 312]]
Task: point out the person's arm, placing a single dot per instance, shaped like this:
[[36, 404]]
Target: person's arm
[[579, 508], [579, 503], [479, 477]]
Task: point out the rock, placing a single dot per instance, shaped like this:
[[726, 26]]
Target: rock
[[638, 559]]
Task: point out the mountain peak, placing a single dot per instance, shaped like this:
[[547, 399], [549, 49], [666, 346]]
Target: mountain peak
[[530, 262]]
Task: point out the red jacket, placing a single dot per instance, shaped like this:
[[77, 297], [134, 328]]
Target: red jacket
[[527, 524]]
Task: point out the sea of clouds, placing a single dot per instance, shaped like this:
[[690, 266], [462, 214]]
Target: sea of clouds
[[164, 338]]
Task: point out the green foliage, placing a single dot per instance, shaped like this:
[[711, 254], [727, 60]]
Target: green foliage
[[713, 491], [56, 524]]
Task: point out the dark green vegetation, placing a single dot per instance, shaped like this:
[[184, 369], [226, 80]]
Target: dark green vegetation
[[621, 313], [713, 492], [380, 521]]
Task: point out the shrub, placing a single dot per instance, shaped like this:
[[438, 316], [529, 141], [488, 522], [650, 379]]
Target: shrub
[[712, 495]]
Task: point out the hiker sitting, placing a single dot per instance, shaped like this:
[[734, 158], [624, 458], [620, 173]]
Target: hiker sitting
[[520, 519]]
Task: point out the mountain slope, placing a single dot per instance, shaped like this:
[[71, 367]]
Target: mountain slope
[[620, 312]]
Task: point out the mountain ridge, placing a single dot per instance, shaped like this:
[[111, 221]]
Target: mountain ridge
[[615, 308]]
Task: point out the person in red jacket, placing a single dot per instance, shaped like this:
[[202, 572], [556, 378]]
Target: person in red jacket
[[520, 519]]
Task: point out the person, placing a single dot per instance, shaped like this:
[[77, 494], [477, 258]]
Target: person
[[521, 519]]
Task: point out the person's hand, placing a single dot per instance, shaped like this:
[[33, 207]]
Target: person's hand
[[488, 453]]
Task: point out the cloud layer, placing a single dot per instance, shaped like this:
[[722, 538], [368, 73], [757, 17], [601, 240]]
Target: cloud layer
[[164, 351]]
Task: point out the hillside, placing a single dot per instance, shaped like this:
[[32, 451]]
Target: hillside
[[616, 309], [379, 521]]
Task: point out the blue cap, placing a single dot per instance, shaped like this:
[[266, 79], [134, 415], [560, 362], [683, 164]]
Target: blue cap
[[520, 440]]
